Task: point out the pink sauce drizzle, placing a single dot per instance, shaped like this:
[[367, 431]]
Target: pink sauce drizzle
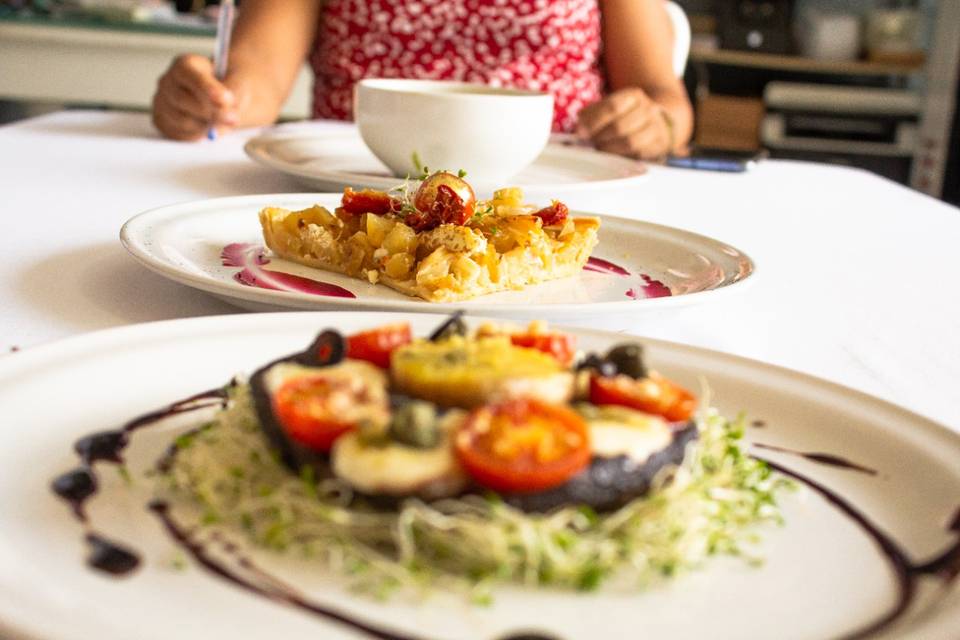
[[651, 289], [250, 258], [604, 266]]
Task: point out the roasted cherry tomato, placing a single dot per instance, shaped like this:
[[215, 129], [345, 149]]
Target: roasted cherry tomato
[[310, 409], [368, 201], [555, 214], [653, 394], [426, 195], [523, 445], [376, 345], [442, 198], [561, 346]]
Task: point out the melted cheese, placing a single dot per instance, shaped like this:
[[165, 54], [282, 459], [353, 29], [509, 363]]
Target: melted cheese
[[631, 433], [395, 469]]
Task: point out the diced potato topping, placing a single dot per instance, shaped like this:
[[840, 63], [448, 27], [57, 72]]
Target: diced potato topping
[[398, 265], [522, 228], [358, 253], [434, 269], [466, 269], [400, 239], [377, 228], [511, 197]]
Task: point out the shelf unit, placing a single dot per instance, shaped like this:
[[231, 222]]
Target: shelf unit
[[935, 79], [112, 64], [778, 62]]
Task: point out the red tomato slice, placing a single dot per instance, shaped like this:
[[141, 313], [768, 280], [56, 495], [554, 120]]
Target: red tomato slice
[[523, 445], [368, 201], [307, 410], [653, 394], [561, 346], [376, 345]]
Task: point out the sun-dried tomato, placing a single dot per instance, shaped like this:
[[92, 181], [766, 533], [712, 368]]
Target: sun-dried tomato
[[555, 214], [368, 201]]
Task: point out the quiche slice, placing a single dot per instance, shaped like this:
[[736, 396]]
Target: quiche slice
[[439, 243]]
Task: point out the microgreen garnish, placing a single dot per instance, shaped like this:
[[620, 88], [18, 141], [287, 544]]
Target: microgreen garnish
[[708, 505], [422, 169], [481, 211]]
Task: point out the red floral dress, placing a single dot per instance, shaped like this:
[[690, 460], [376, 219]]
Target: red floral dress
[[545, 45]]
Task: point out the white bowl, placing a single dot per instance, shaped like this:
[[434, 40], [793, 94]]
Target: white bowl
[[491, 133]]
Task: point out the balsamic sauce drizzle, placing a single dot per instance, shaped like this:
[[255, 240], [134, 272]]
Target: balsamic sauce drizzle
[[946, 565], [823, 458], [78, 485], [110, 557], [274, 589]]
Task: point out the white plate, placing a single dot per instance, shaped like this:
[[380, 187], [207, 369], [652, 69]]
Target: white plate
[[331, 160], [184, 242], [822, 578]]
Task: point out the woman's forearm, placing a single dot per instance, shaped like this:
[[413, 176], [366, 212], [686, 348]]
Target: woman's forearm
[[271, 40], [638, 46]]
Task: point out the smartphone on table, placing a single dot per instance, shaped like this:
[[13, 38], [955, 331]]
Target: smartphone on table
[[712, 159]]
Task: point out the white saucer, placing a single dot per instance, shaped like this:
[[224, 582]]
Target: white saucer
[[331, 160]]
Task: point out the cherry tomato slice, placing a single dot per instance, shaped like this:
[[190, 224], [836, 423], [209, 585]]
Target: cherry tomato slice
[[653, 394], [442, 198], [376, 345], [561, 346], [555, 214], [307, 409], [429, 191], [522, 445], [368, 201]]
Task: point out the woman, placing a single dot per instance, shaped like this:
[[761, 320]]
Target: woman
[[549, 45]]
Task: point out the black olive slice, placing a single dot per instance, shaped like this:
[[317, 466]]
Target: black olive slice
[[326, 350], [608, 483], [452, 326], [628, 359], [601, 366]]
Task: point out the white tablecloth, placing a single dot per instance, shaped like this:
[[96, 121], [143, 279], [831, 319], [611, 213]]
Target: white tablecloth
[[857, 276]]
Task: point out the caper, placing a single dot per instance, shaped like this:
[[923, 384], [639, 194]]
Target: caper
[[628, 359], [373, 432], [415, 424], [452, 326]]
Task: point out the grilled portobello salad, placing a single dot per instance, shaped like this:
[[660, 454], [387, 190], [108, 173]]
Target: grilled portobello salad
[[473, 456]]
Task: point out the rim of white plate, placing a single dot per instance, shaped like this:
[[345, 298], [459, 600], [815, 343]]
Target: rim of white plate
[[132, 229], [54, 353]]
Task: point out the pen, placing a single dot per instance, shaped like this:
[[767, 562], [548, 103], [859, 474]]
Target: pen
[[222, 48]]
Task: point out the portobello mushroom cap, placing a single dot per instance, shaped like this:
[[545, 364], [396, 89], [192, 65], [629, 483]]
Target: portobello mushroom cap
[[608, 482]]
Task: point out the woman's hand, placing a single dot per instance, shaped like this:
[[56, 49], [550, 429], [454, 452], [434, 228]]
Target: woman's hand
[[189, 100], [628, 122]]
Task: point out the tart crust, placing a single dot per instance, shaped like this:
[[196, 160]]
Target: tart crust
[[449, 263]]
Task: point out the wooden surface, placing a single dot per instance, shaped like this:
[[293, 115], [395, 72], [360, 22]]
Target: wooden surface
[[798, 63]]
